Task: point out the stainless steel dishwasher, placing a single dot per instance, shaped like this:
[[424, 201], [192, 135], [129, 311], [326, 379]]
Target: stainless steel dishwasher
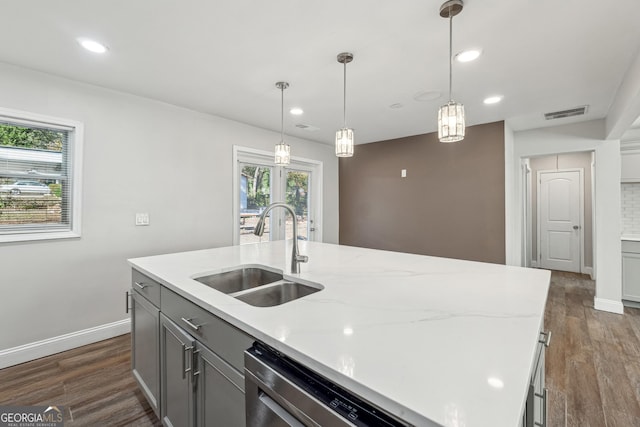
[[281, 392]]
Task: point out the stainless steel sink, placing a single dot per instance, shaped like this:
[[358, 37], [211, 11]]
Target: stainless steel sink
[[276, 294], [239, 280]]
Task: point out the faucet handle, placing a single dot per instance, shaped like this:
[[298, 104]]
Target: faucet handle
[[302, 258]]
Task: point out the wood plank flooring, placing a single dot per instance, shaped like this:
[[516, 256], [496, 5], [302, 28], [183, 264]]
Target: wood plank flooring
[[593, 370], [93, 383], [593, 363]]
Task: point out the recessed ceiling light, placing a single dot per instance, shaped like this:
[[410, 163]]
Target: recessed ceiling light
[[495, 382], [92, 45], [492, 99], [296, 111], [467, 55]]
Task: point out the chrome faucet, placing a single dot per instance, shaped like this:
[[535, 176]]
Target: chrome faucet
[[296, 258]]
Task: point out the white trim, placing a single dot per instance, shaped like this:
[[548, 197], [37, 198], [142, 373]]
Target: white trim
[[75, 147], [611, 306], [589, 271], [534, 263], [593, 215], [49, 346], [527, 214]]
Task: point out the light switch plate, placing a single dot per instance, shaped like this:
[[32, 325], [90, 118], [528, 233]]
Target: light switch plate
[[403, 173], [142, 219]]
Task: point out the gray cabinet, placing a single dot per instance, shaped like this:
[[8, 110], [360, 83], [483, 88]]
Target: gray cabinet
[[201, 366], [631, 271], [177, 375], [537, 399], [145, 335], [220, 392]]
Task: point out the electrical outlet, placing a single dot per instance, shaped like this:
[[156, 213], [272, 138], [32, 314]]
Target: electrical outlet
[[403, 173], [142, 219]]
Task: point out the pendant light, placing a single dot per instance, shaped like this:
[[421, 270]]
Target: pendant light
[[451, 115], [283, 150], [344, 136]]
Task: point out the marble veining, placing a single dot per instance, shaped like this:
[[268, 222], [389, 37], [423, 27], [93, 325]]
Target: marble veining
[[434, 341]]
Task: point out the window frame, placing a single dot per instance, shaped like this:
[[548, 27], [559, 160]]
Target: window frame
[[75, 142]]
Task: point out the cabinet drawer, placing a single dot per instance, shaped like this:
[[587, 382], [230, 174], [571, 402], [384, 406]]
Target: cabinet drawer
[[225, 340], [147, 287], [631, 246]]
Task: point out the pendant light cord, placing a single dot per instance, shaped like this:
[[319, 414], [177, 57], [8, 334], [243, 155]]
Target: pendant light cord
[[344, 97], [450, 52], [282, 115]]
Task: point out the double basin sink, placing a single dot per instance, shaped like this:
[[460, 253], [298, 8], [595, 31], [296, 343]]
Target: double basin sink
[[257, 286]]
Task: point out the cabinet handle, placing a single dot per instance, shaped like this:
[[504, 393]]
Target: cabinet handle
[[191, 324], [185, 370], [547, 340], [126, 302], [544, 408], [194, 357], [140, 285]]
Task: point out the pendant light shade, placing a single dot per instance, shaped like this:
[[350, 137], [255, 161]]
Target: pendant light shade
[[451, 122], [283, 150], [451, 115], [344, 142], [344, 136]]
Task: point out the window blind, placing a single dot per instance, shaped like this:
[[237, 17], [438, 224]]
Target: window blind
[[35, 177]]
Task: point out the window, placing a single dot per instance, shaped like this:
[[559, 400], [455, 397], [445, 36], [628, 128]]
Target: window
[[39, 177], [258, 182]]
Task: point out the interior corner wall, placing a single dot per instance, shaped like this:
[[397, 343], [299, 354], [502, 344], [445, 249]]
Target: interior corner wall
[[140, 155], [451, 203], [564, 161], [585, 136]]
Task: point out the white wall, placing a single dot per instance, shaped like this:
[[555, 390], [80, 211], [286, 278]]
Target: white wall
[[584, 136], [140, 155]]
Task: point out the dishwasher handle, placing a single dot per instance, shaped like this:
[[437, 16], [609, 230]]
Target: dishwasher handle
[[278, 411]]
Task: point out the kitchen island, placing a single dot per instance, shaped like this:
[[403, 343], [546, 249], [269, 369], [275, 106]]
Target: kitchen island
[[433, 341]]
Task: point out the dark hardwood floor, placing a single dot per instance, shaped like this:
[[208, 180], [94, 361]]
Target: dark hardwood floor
[[93, 383], [593, 363], [593, 370]]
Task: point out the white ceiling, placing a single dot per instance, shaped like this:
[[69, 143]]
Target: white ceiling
[[224, 56]]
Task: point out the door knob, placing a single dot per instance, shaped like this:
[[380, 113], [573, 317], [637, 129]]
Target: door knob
[[576, 227]]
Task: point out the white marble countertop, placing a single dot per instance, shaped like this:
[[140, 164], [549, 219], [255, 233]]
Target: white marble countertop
[[434, 341]]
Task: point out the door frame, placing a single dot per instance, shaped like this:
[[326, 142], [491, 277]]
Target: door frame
[[538, 261], [251, 155]]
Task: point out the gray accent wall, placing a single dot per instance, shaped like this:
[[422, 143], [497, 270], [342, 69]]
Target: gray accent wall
[[451, 203]]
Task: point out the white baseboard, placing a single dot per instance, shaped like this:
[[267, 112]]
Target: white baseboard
[[609, 305], [534, 263], [588, 270], [49, 346], [633, 304]]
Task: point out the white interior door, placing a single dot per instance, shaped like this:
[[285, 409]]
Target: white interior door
[[559, 219]]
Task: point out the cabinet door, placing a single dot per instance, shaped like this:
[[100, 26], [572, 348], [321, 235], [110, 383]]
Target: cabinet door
[[630, 167], [220, 395], [631, 276], [145, 348], [176, 357]]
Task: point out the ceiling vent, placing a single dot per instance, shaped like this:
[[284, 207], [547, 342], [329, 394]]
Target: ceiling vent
[[578, 111], [308, 128]]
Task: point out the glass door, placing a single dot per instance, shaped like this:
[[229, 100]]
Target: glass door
[[255, 195], [258, 182], [296, 191]]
